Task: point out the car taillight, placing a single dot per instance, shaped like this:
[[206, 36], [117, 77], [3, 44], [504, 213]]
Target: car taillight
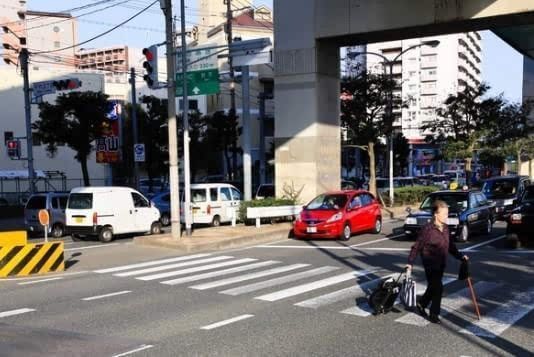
[[95, 218], [209, 209], [516, 218]]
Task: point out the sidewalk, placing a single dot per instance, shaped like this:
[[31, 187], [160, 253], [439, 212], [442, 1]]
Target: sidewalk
[[226, 237]]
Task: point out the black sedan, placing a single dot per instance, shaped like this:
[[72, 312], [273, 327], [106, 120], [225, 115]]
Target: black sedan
[[520, 226], [469, 212], [505, 191]]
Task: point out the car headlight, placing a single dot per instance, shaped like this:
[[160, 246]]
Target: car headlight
[[453, 221], [516, 217], [410, 220], [335, 217], [508, 202]]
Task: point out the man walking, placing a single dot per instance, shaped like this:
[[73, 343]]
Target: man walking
[[433, 244]]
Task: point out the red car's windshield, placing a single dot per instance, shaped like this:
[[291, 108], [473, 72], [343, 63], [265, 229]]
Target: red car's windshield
[[327, 202]]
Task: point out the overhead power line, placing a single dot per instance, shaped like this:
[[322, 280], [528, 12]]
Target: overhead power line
[[103, 33]]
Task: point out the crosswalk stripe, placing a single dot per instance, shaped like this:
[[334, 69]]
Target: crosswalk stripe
[[301, 289], [277, 281], [15, 312], [347, 293], [196, 269], [173, 266], [363, 309], [498, 320], [151, 263], [246, 277], [213, 274], [450, 303]]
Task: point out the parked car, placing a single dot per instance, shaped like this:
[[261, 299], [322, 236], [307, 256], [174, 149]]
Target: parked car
[[338, 215], [505, 191], [213, 203], [162, 201], [264, 191], [520, 225], [55, 203], [158, 185], [469, 212], [109, 211]]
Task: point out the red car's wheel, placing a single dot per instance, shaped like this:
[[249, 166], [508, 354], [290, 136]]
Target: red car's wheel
[[345, 234]]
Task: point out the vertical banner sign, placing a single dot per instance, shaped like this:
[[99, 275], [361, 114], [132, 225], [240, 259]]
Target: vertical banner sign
[[107, 146]]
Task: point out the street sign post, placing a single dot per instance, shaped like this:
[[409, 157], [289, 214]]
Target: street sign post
[[199, 82], [41, 88], [139, 152], [44, 219]]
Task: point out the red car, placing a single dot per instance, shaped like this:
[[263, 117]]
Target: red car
[[339, 215]]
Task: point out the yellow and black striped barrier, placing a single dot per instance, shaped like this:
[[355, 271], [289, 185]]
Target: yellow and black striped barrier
[[23, 259]]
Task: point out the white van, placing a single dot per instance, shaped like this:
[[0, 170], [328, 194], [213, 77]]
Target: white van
[[213, 203], [108, 211]]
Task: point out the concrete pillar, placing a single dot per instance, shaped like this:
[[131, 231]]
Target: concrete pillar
[[307, 127]]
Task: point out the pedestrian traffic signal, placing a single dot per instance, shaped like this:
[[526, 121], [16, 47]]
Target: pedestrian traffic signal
[[151, 66], [13, 149], [67, 84]]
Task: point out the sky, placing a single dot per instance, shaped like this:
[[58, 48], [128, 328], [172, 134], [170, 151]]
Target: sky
[[502, 66]]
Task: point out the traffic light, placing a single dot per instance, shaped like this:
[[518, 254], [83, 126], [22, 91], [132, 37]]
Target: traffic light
[[13, 149], [151, 66], [67, 84]]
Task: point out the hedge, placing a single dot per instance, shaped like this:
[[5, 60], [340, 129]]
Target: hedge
[[409, 195], [267, 202]]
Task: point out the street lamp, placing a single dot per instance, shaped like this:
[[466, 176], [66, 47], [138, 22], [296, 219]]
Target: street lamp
[[389, 110]]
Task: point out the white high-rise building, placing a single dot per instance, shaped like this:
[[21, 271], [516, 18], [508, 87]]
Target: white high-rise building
[[427, 75]]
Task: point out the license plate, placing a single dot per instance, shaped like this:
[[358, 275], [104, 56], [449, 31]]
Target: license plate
[[78, 220], [311, 229]]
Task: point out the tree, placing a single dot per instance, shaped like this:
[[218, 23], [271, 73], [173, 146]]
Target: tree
[[463, 123], [75, 120], [512, 133], [363, 114]]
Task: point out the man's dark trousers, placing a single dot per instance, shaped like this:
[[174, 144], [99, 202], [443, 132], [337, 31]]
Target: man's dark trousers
[[434, 289]]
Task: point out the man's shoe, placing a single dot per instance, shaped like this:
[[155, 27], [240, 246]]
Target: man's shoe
[[434, 319], [421, 310]]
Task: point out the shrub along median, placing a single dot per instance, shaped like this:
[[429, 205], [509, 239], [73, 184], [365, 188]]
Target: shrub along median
[[267, 202], [409, 195]]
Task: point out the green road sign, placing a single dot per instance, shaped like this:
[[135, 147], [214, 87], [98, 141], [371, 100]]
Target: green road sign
[[198, 82]]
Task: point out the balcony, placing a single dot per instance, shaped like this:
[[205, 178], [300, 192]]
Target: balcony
[[426, 77], [428, 50], [429, 90]]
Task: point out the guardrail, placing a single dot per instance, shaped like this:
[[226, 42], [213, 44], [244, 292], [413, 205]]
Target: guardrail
[[258, 213]]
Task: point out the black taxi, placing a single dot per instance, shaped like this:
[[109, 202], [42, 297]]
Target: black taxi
[[469, 212], [520, 224]]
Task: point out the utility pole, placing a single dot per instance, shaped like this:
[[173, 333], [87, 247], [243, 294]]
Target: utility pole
[[134, 124], [247, 169], [23, 58], [262, 98], [232, 114], [173, 133], [185, 117]]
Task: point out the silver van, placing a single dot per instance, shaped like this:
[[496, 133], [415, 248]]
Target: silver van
[[55, 203]]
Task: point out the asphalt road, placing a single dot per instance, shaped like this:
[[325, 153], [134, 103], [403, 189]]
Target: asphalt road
[[297, 298]]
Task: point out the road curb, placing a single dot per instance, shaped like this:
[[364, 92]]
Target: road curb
[[237, 242]]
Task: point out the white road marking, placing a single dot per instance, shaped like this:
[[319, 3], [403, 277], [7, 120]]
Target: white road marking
[[106, 295], [197, 277], [303, 247], [226, 322], [15, 312], [347, 293], [363, 309], [196, 269], [483, 243], [146, 264], [246, 277], [141, 348], [389, 249], [495, 322], [173, 266], [451, 303], [277, 281], [376, 241], [40, 281], [93, 246], [31, 277], [301, 289]]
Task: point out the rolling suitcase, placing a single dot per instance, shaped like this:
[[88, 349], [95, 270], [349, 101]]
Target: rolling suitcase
[[383, 297]]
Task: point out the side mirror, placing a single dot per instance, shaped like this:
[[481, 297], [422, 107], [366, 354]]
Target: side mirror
[[408, 210]]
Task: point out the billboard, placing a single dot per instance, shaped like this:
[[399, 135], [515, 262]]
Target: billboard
[[108, 145]]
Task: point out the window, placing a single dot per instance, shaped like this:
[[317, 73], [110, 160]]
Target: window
[[356, 202], [482, 201], [473, 203], [213, 194], [198, 195], [412, 87], [55, 203], [36, 202], [236, 195], [63, 202], [139, 201], [328, 202], [412, 73], [80, 201], [225, 194], [193, 104]]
